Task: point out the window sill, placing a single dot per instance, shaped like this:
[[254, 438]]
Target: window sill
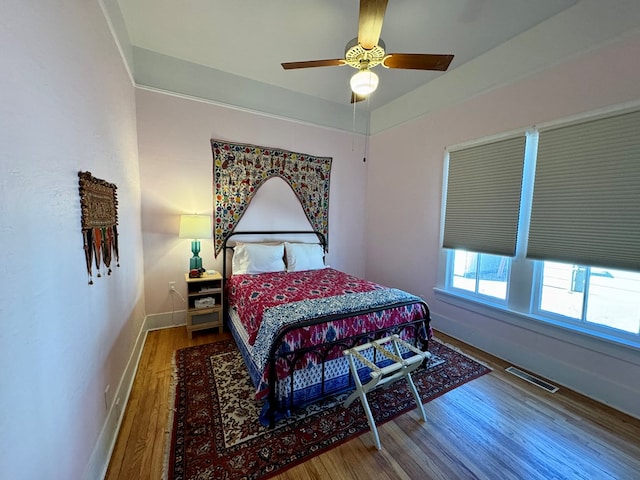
[[619, 348]]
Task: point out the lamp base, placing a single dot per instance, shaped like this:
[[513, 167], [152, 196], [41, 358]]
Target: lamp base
[[195, 263]]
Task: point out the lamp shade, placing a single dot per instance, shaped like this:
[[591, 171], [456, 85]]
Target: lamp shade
[[364, 82], [195, 226]]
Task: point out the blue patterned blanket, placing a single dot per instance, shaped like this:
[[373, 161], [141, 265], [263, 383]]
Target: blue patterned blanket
[[276, 318]]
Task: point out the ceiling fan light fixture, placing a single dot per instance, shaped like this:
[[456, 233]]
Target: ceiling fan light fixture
[[364, 82]]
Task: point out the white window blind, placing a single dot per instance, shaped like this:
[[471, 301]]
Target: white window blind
[[586, 197], [483, 197]]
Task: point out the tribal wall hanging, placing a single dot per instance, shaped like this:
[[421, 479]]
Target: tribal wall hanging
[[99, 210], [239, 170]]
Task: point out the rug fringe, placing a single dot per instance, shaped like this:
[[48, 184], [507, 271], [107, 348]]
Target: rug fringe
[[170, 417]]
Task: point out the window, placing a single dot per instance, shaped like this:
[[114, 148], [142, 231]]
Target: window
[[562, 289], [578, 221], [598, 296], [480, 273]]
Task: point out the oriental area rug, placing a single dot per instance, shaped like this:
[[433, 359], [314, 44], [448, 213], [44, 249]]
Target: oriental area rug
[[215, 429]]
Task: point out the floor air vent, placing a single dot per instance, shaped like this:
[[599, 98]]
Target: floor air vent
[[531, 379]]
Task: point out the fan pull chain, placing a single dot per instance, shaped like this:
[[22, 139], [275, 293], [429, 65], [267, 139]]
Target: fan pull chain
[[353, 129], [366, 138]]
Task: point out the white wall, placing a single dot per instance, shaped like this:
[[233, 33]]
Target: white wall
[[404, 205], [66, 104], [176, 167]]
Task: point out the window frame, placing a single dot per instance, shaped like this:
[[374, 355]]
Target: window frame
[[582, 322], [522, 305], [476, 293]]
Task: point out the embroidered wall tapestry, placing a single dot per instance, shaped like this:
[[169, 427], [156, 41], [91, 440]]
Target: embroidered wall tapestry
[[239, 170], [99, 210]]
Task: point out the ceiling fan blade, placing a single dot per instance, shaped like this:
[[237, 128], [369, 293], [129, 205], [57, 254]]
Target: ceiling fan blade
[[313, 63], [417, 61], [370, 22], [357, 98]]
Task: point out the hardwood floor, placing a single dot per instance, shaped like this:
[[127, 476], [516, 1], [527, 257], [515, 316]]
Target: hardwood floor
[[495, 427]]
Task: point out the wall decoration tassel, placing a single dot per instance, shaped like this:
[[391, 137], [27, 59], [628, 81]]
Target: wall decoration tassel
[[99, 209], [97, 244], [88, 251]]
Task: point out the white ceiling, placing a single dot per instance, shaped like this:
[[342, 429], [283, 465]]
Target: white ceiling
[[192, 46]]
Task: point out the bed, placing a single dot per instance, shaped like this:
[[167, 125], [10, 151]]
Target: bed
[[292, 317]]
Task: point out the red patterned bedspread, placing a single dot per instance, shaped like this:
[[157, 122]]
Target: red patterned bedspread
[[252, 294]]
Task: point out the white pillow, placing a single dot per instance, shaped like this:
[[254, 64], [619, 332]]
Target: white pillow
[[257, 258], [304, 256]]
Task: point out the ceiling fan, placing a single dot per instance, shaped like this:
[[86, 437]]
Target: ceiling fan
[[368, 50]]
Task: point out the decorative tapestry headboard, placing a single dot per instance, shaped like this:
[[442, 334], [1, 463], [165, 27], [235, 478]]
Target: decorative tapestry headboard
[[239, 170]]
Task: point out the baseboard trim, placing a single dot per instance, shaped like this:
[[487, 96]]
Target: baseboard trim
[[105, 444], [99, 461]]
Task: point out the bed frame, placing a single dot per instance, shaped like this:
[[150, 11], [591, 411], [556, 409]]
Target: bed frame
[[320, 351]]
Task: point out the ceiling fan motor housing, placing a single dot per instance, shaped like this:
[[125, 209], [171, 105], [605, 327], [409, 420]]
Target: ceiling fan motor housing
[[357, 57]]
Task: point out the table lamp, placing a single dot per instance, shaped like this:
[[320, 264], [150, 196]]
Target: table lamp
[[195, 227]]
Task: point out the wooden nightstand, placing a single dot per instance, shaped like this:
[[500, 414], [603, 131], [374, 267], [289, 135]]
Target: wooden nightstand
[[204, 302]]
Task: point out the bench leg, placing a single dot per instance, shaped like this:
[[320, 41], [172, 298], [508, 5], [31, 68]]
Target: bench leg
[[416, 396], [383, 377], [370, 420]]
